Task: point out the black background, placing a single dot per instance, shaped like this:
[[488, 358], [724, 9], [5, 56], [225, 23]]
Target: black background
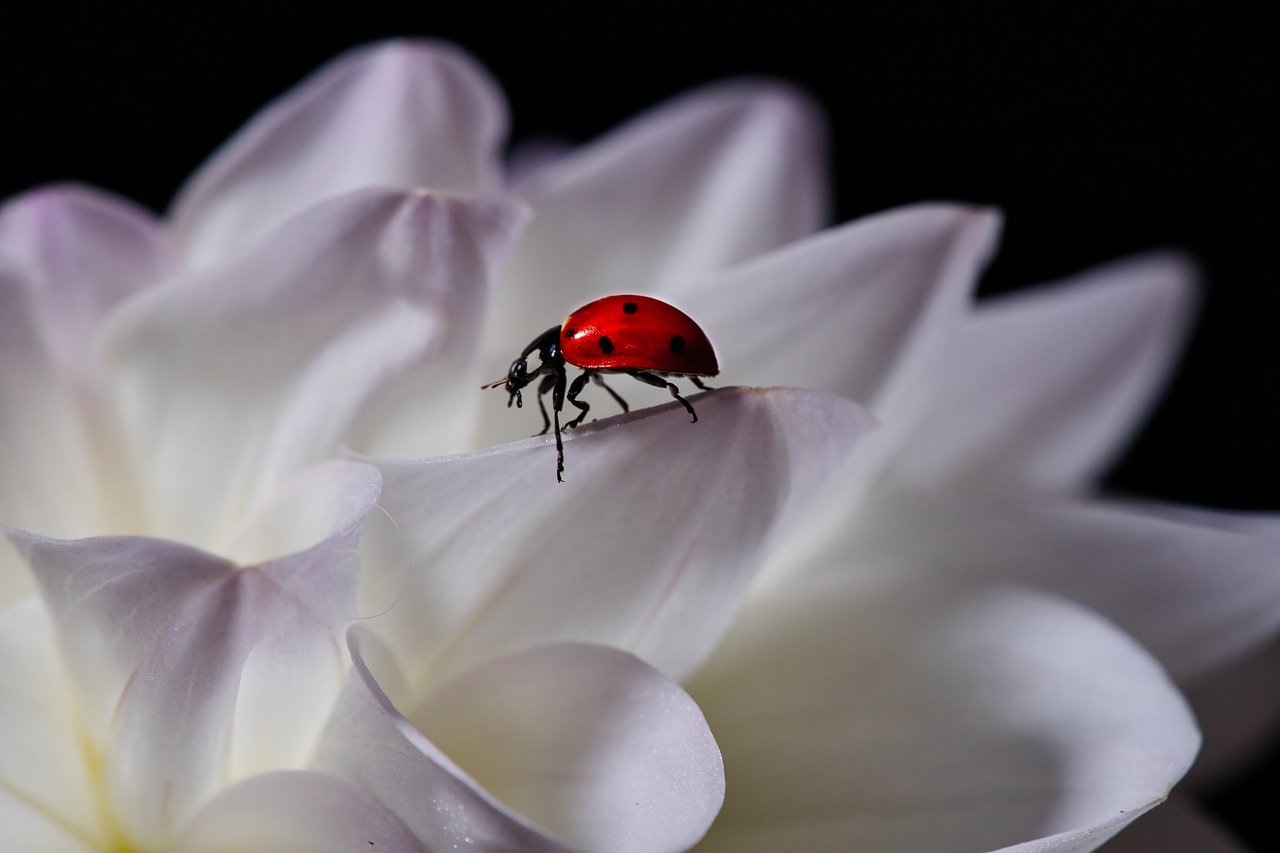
[[1099, 132]]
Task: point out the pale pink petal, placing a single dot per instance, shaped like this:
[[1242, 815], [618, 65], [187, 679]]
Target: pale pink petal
[[1196, 594], [49, 478], [1046, 385], [191, 671], [711, 179], [369, 743], [231, 379], [296, 812], [1178, 824], [648, 545], [857, 716], [47, 800], [399, 114], [591, 743], [858, 310], [81, 251]]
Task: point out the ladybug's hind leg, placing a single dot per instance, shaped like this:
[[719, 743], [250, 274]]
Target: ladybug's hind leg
[[659, 382], [599, 380], [574, 390], [696, 381]]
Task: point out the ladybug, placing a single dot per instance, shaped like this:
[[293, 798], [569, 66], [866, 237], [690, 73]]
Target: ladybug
[[643, 337]]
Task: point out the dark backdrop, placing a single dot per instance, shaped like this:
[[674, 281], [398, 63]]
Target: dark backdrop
[[1100, 133]]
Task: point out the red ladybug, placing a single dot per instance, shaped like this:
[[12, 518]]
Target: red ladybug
[[640, 336]]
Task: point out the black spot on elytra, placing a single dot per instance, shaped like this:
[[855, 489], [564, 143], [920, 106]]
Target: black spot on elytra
[[606, 345], [677, 345], [569, 333], [629, 308]]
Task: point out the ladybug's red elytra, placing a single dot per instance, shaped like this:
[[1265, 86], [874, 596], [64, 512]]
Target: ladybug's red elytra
[[643, 337]]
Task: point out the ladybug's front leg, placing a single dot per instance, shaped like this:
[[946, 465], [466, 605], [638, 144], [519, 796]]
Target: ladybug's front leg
[[548, 382], [557, 403], [574, 390]]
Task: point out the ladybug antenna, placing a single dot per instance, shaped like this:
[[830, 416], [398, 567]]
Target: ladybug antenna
[[495, 383]]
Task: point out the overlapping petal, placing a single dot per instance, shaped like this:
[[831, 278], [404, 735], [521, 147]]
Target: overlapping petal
[[1194, 589], [192, 672], [398, 115], [590, 742], [706, 181], [852, 310], [647, 546], [270, 359], [369, 743], [295, 811], [1045, 386], [46, 795], [935, 717], [81, 251]]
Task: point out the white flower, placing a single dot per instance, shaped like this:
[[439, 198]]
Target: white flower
[[326, 281]]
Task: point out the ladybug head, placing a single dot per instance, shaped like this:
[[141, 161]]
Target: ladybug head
[[517, 377]]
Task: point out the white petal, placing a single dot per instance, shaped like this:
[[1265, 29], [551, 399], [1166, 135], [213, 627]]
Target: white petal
[[193, 672], [711, 179], [1046, 385], [370, 744], [81, 251], [647, 546], [900, 717], [398, 114], [1197, 594], [590, 742], [1178, 824], [852, 309], [295, 812], [46, 798], [235, 377], [48, 481]]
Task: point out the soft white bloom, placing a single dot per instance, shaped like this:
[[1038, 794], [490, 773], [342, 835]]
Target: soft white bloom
[[328, 293]]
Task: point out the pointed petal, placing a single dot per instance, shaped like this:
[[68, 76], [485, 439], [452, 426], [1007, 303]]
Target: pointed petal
[[82, 251], [45, 789], [863, 305], [48, 481], [368, 743], [235, 377], [647, 546], [1196, 592], [399, 114], [193, 672], [709, 180], [590, 742], [1046, 386], [296, 812], [922, 717]]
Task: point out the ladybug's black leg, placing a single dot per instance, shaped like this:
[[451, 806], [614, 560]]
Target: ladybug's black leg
[[557, 403], [574, 390], [659, 382], [599, 380], [696, 381], [548, 382]]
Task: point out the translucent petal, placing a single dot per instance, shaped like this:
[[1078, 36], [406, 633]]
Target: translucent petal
[[399, 114], [647, 546], [233, 378], [711, 179], [191, 671], [1045, 386], [928, 717], [588, 741]]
